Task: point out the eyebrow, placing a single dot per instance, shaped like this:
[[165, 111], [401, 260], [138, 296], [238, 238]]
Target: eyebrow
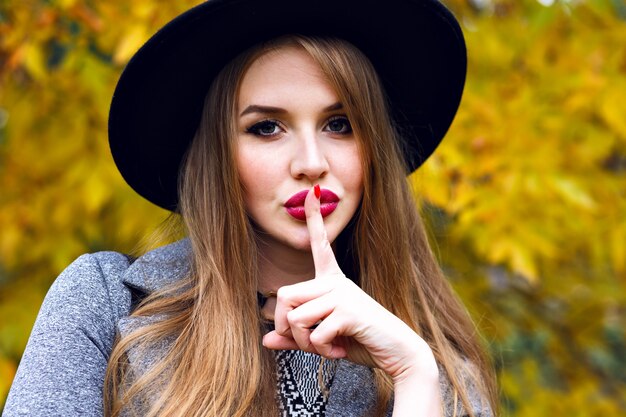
[[255, 108]]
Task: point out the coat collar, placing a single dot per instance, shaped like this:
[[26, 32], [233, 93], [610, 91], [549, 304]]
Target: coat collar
[[159, 268]]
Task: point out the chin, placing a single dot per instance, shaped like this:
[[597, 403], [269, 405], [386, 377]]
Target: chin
[[300, 240], [294, 234]]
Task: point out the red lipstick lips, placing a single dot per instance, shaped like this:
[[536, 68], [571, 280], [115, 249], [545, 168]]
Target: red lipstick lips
[[295, 205]]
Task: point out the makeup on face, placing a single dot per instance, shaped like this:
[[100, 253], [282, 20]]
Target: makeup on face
[[293, 132], [295, 204]]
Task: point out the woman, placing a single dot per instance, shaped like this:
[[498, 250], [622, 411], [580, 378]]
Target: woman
[[288, 168]]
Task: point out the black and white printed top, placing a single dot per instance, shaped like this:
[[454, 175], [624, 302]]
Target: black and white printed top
[[299, 383], [300, 390]]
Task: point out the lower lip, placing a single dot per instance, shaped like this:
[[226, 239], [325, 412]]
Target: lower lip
[[299, 214]]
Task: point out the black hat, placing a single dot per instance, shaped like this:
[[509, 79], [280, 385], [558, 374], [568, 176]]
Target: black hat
[[416, 46]]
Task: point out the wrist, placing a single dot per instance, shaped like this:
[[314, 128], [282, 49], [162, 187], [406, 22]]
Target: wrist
[[416, 384], [417, 394], [417, 376], [420, 366]]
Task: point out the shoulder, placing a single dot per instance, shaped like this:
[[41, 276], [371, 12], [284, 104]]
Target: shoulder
[[96, 291], [109, 278], [89, 283], [63, 366]]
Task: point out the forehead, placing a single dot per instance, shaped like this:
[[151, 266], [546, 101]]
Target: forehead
[[284, 74]]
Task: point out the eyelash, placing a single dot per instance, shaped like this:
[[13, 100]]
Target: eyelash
[[343, 119], [255, 129]]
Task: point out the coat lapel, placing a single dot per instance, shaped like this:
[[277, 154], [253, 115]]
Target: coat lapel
[[159, 268], [154, 270]]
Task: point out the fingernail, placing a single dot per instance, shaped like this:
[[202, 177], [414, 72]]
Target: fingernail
[[317, 191]]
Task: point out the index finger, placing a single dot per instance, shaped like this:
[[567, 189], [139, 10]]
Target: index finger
[[323, 255]]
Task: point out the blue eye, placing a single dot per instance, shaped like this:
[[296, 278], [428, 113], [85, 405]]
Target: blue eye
[[264, 128], [339, 124]]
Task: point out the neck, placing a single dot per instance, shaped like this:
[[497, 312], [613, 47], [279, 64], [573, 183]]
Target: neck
[[280, 265]]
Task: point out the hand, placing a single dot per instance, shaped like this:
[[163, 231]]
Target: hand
[[331, 316]]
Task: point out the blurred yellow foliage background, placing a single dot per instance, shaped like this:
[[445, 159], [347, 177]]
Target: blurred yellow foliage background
[[525, 199]]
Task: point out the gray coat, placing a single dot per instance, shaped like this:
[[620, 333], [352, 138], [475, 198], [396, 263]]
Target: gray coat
[[62, 370]]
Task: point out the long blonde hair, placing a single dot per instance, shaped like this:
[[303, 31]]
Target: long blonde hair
[[216, 365]]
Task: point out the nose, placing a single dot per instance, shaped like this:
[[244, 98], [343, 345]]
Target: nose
[[309, 157]]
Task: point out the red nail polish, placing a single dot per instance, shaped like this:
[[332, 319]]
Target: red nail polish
[[317, 191]]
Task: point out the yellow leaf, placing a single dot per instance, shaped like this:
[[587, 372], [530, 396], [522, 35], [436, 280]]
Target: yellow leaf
[[522, 262], [66, 4], [613, 111], [96, 193], [129, 44], [35, 62], [143, 10], [618, 249], [573, 193]]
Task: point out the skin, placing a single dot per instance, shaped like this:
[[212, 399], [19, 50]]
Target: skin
[[311, 143], [292, 136], [297, 257]]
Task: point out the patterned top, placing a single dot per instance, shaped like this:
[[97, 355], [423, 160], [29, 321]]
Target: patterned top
[[298, 383], [298, 378]]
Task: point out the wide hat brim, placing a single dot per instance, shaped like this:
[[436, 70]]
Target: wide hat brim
[[416, 46]]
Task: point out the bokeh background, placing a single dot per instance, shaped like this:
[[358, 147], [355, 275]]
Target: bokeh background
[[525, 199]]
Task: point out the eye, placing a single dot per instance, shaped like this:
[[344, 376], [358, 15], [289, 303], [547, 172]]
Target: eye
[[265, 128], [339, 124]]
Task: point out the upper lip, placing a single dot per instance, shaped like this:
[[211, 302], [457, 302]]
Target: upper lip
[[298, 198]]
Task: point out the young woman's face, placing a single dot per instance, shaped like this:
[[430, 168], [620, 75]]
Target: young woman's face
[[293, 133]]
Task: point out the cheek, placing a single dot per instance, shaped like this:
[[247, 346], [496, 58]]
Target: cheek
[[254, 177], [356, 173], [247, 169], [350, 170]]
